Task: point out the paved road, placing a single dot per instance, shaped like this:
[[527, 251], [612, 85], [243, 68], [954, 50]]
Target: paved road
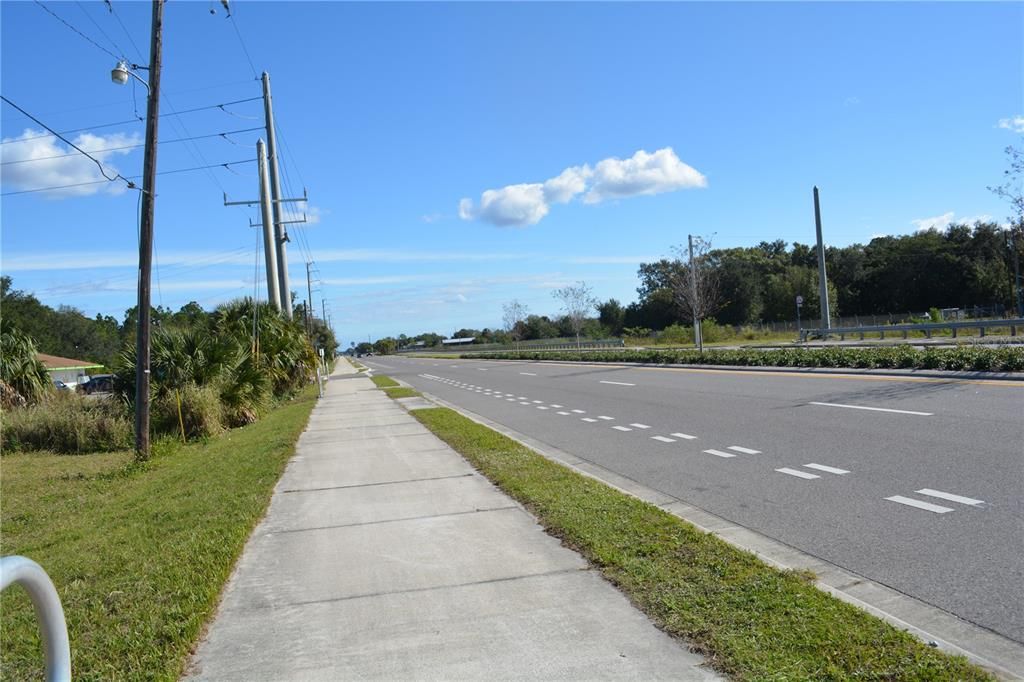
[[915, 483]]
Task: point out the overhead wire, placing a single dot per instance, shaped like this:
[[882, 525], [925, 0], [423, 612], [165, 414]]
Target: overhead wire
[[100, 29], [73, 28], [134, 146]]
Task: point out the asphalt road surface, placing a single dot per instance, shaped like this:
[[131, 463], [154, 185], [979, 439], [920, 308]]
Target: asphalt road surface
[[915, 483]]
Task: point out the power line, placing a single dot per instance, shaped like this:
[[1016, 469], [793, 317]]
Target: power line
[[90, 40], [241, 42], [72, 145], [133, 120], [134, 146], [100, 29], [123, 28], [128, 178]]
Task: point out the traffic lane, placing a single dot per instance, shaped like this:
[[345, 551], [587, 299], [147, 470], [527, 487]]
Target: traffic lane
[[966, 563]]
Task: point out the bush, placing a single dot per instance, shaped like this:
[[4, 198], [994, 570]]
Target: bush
[[676, 333], [963, 357], [202, 412], [68, 423]]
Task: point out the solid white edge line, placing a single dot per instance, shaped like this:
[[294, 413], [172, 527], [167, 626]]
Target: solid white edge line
[[797, 473], [831, 470], [684, 436], [910, 502], [663, 439], [745, 451], [719, 453], [950, 496], [873, 409]]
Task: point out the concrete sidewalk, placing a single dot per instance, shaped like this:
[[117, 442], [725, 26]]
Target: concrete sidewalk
[[384, 555]]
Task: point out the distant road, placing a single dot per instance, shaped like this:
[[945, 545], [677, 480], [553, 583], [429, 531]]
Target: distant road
[[912, 482]]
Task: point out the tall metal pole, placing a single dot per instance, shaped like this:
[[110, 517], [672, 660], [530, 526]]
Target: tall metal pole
[[826, 319], [269, 246], [280, 235], [142, 344], [695, 305], [309, 299], [323, 304]]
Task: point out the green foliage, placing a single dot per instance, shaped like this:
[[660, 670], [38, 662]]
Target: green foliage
[[20, 369], [68, 423], [964, 357]]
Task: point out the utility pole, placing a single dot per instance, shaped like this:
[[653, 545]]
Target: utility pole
[[323, 304], [280, 235], [697, 337], [142, 345], [269, 246], [309, 298], [826, 319]]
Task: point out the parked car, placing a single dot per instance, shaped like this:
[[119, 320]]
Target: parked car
[[99, 383], [61, 386]]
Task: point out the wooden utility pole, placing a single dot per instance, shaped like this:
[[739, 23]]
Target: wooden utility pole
[[142, 337]]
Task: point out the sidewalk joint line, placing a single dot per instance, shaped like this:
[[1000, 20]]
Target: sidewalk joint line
[[368, 485]]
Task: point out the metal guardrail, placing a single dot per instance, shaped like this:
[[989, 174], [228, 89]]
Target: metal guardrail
[[496, 348], [926, 327], [31, 576]]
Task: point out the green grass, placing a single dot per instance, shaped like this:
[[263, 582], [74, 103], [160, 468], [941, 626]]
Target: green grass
[[382, 381], [753, 621], [402, 392], [138, 553]]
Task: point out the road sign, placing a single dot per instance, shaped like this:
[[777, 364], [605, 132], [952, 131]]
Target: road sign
[[799, 300]]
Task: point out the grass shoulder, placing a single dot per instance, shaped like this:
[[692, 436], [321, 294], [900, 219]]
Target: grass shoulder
[[753, 621], [139, 553]]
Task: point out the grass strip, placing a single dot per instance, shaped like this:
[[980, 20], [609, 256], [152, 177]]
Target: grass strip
[[138, 553], [382, 381], [751, 620], [402, 392], [967, 357]]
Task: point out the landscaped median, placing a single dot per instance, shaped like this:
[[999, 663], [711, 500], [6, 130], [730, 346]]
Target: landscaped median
[[751, 620], [139, 553], [965, 357]]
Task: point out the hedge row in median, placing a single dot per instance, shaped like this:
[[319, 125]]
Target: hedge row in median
[[963, 357]]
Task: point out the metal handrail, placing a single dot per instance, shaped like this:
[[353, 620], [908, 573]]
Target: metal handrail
[[31, 576], [926, 327]]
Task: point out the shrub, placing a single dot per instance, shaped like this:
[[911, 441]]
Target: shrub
[[202, 412], [676, 333], [68, 423]]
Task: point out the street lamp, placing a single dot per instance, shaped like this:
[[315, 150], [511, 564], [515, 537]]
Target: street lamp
[[120, 73]]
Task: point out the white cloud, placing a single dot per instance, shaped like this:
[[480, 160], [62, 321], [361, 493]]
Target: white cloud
[[528, 203], [33, 161], [1016, 124], [941, 222], [432, 217], [642, 174]]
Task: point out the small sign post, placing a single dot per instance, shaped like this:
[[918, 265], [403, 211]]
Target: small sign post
[[799, 304]]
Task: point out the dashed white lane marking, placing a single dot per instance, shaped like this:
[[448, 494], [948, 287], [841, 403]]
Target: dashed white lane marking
[[523, 397], [663, 439], [512, 400], [588, 419], [719, 453], [484, 369], [527, 402], [828, 469], [579, 411], [528, 374], [640, 426], [797, 473], [617, 383], [949, 496], [873, 409], [558, 407], [541, 407], [745, 451], [684, 436], [607, 419], [622, 428], [919, 504], [562, 412], [541, 401]]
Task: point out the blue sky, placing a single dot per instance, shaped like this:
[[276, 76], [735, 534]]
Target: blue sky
[[659, 119]]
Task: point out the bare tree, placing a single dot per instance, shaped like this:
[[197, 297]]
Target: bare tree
[[1012, 190], [695, 285], [513, 313], [577, 301]]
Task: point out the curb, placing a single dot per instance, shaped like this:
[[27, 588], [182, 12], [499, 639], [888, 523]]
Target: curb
[[1000, 656]]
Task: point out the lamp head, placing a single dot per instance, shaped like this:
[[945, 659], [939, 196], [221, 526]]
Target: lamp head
[[119, 74]]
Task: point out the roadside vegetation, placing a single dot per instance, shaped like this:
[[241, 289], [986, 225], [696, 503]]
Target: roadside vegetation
[[963, 357], [754, 622], [138, 552]]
